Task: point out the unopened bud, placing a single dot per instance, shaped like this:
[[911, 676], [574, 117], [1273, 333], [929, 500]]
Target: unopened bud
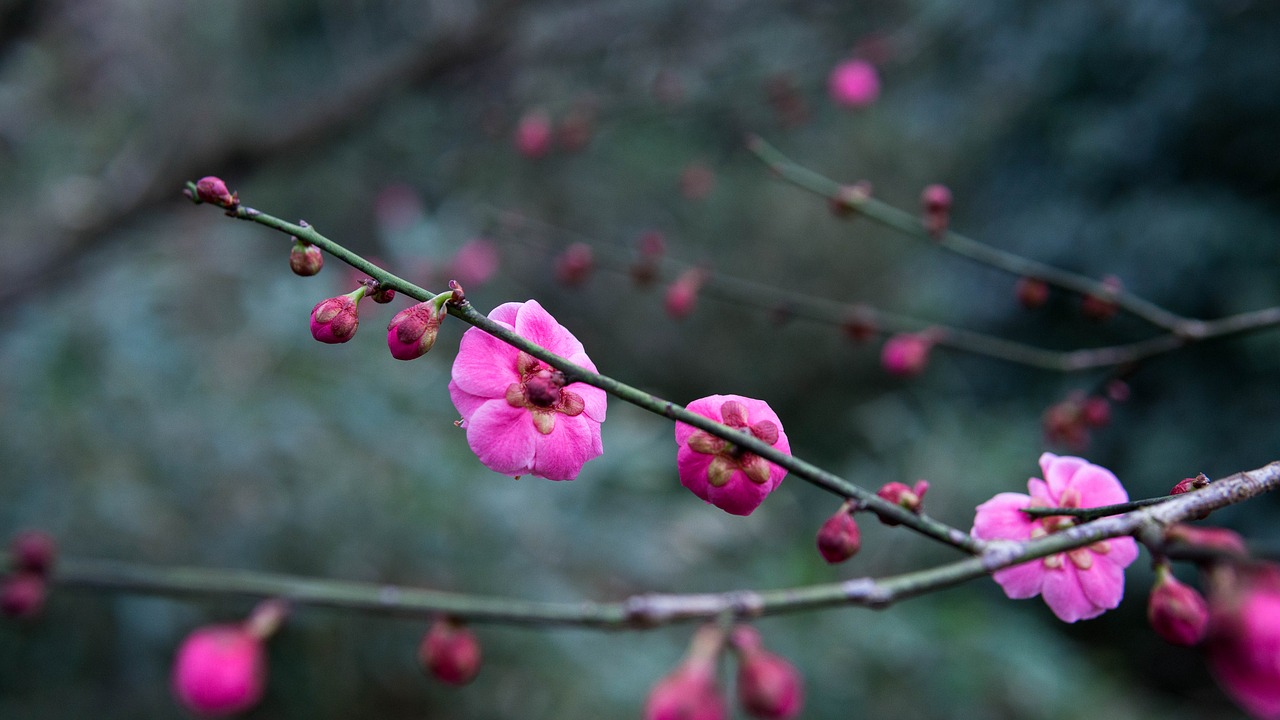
[[220, 670], [1095, 411], [1213, 538], [1031, 292], [22, 595], [936, 201], [1102, 307], [652, 246], [768, 686], [214, 191], [381, 294], [413, 331], [450, 652], [574, 265], [905, 354], [533, 134], [1189, 484], [853, 84], [907, 498], [33, 551], [688, 693], [682, 294], [1177, 612], [305, 259], [336, 319], [839, 537]]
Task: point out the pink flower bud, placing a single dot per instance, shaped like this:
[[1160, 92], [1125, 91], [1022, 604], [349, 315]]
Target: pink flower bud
[[220, 670], [688, 693], [1176, 611], [682, 294], [1064, 423], [335, 320], [1031, 292], [1243, 642], [450, 652], [1213, 538], [22, 595], [33, 551], [907, 498], [213, 191], [697, 181], [413, 331], [905, 354], [1095, 411], [533, 134], [936, 201], [1102, 307], [381, 294], [853, 84], [1189, 484], [475, 262], [839, 537], [768, 686], [652, 246], [1118, 390], [305, 259], [574, 265]]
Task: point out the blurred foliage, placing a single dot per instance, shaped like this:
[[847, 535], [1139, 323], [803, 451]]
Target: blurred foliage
[[163, 402]]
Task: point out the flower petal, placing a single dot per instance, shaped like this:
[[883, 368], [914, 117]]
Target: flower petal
[[1064, 595], [708, 407], [561, 454], [536, 324], [1001, 517], [1103, 582], [1097, 486], [739, 496], [465, 402], [595, 400], [693, 467], [1058, 471], [503, 437], [1021, 581], [485, 365], [1123, 551]]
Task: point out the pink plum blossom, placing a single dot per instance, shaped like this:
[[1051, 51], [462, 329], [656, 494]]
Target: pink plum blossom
[[1078, 584], [1244, 637], [853, 84], [720, 472], [520, 414], [769, 686]]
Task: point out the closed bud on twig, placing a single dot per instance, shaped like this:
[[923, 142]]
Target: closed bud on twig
[[220, 670], [380, 293], [690, 692], [1188, 484], [1213, 538], [575, 264], [651, 248], [768, 686], [214, 191], [1031, 292], [450, 652], [413, 331], [305, 259], [936, 201], [1101, 308], [33, 551], [22, 595], [682, 294], [533, 134], [1095, 411], [336, 319], [839, 537], [907, 498], [906, 354], [1177, 612]]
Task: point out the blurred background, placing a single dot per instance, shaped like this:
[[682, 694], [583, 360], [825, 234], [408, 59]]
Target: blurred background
[[162, 401]]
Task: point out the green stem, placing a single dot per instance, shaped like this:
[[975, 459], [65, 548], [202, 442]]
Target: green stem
[[650, 610], [1094, 512], [573, 373]]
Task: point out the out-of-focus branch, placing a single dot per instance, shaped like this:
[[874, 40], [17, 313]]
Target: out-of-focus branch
[[141, 177], [651, 610]]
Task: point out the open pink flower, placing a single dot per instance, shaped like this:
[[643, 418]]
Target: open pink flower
[[720, 472], [521, 417], [1078, 584]]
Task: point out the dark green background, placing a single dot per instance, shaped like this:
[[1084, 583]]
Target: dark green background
[[161, 399]]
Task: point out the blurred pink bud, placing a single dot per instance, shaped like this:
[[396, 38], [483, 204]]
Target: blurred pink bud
[[533, 134], [22, 595], [1095, 411], [305, 259], [1189, 484], [839, 537], [1102, 307], [905, 354], [688, 693], [697, 181], [1031, 292], [1118, 390], [575, 264], [907, 498], [33, 551], [450, 652], [853, 84], [1244, 637], [1064, 423], [220, 670], [397, 208], [214, 191], [335, 320], [859, 324], [936, 201], [768, 686], [1213, 538], [652, 246], [682, 294], [1176, 611], [475, 263]]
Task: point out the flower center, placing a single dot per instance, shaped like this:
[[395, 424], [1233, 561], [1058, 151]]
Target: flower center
[[541, 391]]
